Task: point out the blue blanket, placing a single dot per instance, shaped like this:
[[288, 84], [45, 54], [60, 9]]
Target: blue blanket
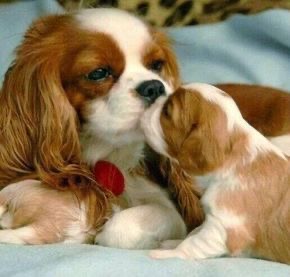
[[252, 49]]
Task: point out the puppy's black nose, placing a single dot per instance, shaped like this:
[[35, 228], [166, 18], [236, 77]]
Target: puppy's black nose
[[150, 90]]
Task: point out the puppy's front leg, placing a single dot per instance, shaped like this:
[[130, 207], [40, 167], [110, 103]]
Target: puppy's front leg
[[208, 241], [142, 227]]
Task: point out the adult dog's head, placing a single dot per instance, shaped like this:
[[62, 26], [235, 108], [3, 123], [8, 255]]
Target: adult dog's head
[[95, 71]]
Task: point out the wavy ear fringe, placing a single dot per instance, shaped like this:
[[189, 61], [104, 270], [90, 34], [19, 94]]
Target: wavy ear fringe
[[171, 70], [185, 192], [38, 126]]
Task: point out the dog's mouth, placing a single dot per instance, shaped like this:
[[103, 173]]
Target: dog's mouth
[[150, 109]]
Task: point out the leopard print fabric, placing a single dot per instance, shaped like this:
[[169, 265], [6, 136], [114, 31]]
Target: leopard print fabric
[[181, 12]]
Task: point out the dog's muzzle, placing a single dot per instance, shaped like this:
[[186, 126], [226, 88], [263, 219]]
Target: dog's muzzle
[[150, 90]]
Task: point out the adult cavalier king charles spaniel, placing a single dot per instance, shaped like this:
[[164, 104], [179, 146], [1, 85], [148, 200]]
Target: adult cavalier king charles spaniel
[[75, 95]]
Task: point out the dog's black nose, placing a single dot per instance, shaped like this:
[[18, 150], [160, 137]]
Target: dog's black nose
[[150, 90]]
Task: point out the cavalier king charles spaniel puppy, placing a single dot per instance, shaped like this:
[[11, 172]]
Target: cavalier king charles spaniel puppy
[[246, 196], [73, 96], [34, 213]]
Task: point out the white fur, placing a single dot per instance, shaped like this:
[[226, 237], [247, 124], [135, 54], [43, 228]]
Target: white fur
[[258, 143], [126, 157], [150, 123], [141, 227], [221, 177], [282, 142], [130, 32], [17, 236]]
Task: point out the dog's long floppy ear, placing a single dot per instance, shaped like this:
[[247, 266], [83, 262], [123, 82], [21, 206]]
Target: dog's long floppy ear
[[185, 193], [171, 70], [38, 126]]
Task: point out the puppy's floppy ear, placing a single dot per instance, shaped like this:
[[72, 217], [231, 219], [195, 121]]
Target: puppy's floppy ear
[[185, 192], [207, 141], [171, 70], [38, 126], [183, 189]]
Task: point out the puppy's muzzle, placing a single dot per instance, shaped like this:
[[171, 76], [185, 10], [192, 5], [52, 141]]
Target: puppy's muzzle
[[150, 90]]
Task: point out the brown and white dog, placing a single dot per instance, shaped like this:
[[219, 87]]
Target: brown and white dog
[[246, 196], [74, 95]]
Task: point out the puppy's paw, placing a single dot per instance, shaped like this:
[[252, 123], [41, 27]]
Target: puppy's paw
[[170, 244], [166, 254]]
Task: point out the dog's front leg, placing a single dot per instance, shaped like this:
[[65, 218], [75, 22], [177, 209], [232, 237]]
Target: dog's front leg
[[142, 227], [207, 241]]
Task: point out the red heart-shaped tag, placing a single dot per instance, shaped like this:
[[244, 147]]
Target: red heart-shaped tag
[[110, 177]]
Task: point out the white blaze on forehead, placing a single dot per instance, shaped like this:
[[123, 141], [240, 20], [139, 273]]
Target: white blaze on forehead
[[132, 37], [129, 32]]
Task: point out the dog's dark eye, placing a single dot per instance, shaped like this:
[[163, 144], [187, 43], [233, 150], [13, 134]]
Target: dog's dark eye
[[167, 109], [99, 74], [193, 127], [157, 65]]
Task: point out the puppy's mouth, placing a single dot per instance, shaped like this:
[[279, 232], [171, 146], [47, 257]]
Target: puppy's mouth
[[150, 124], [150, 108]]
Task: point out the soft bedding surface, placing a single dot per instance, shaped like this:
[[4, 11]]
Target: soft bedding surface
[[248, 49]]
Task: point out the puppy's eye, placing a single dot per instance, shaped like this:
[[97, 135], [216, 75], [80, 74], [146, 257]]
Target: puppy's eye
[[193, 127], [157, 65], [99, 74], [167, 110]]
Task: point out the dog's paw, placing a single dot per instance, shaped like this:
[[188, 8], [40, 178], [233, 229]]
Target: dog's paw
[[121, 231], [127, 237], [170, 244], [166, 254], [141, 227]]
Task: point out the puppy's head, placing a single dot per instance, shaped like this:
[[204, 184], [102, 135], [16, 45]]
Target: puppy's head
[[100, 68], [193, 126]]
